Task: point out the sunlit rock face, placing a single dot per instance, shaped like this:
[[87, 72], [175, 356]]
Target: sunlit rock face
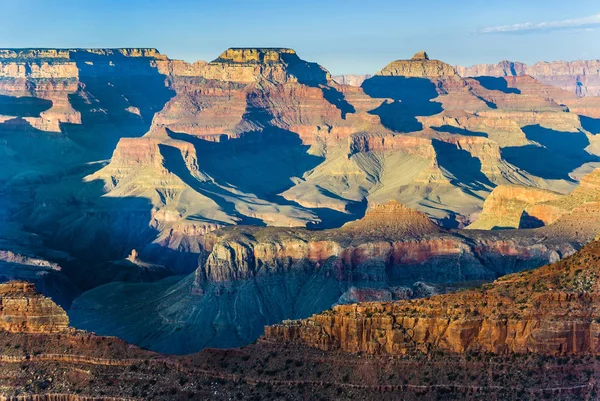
[[522, 207], [545, 311], [418, 66], [23, 310]]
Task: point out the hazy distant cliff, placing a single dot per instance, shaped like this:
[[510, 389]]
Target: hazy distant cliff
[[581, 77]]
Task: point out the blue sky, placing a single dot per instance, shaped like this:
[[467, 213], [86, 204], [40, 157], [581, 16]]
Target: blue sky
[[345, 36]]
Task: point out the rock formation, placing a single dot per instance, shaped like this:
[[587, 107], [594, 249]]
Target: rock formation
[[550, 311], [138, 151], [23, 310], [78, 366], [521, 207], [506, 205], [418, 66]]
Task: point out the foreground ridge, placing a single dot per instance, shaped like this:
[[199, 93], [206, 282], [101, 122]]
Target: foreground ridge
[[72, 365]]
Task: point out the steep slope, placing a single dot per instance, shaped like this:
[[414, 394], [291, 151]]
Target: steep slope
[[260, 137], [22, 310], [506, 206]]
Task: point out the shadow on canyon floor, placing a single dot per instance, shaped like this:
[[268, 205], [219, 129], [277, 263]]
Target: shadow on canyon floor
[[175, 163], [497, 84], [52, 200], [411, 97], [590, 124], [460, 131], [465, 168], [559, 153], [23, 106], [260, 162], [118, 98]]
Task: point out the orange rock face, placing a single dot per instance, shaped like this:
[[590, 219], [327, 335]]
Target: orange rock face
[[551, 311], [23, 310], [506, 205], [392, 220]]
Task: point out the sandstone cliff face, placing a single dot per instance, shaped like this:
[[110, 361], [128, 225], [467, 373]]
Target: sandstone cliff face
[[398, 237], [23, 310], [521, 207], [549, 311], [246, 65], [262, 137], [334, 146]]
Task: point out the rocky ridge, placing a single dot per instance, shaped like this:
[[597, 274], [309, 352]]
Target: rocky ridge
[[550, 311], [272, 106], [75, 365], [163, 157], [520, 207]]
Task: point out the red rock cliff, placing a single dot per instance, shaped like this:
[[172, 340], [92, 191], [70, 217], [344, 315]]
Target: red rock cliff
[[553, 310]]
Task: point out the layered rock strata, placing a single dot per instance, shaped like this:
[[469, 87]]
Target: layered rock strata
[[23, 310], [78, 366], [550, 311], [249, 277]]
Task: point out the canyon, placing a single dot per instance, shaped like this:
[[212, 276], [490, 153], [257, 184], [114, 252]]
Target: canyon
[[187, 205], [527, 335]]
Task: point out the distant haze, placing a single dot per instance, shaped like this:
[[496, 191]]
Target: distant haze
[[345, 36]]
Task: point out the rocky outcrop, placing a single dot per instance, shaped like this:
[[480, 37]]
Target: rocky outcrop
[[506, 205], [261, 137], [240, 257], [23, 310], [419, 66], [363, 143], [392, 220], [250, 275], [247, 65], [522, 207], [551, 311]]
